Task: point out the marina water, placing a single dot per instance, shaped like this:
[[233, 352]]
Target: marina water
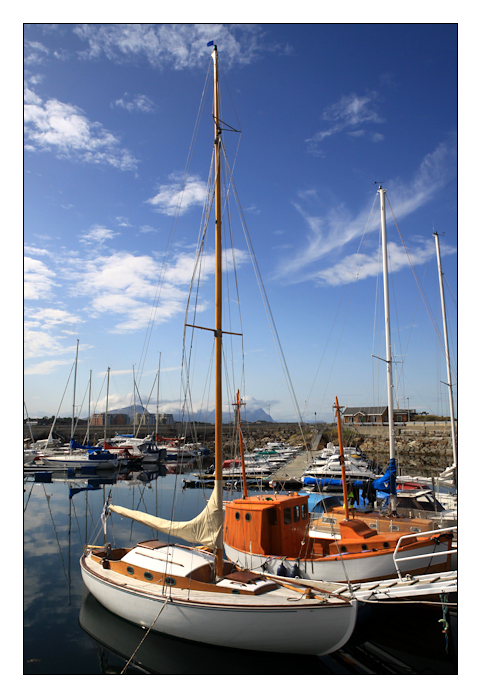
[[67, 632]]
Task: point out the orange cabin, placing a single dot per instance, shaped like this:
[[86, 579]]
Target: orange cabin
[[268, 524]]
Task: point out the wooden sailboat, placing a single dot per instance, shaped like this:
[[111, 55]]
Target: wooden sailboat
[[273, 533], [192, 592]]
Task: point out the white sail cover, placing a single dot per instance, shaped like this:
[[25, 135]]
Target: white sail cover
[[204, 529]]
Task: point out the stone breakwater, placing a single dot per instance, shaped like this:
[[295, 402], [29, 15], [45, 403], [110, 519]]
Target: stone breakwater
[[419, 451]]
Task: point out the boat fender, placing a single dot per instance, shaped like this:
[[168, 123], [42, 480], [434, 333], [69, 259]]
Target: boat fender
[[282, 570], [295, 571]]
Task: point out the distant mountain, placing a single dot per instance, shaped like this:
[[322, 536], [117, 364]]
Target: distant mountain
[[258, 415]]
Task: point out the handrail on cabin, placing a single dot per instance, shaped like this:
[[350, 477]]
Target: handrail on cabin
[[418, 535]]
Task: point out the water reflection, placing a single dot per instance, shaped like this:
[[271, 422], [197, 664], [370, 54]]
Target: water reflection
[[66, 631]]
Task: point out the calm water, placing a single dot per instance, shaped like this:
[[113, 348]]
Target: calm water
[[67, 632]]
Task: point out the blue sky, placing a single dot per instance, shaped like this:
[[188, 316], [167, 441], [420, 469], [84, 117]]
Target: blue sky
[[325, 112]]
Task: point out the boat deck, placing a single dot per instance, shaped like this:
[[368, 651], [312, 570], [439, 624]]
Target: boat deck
[[281, 596]]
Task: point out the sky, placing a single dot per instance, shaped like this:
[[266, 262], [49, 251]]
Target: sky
[[322, 113]]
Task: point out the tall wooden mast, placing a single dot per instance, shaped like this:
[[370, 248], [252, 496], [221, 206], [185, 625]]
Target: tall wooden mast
[[218, 296]]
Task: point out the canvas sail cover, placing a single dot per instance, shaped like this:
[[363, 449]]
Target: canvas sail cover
[[204, 529]]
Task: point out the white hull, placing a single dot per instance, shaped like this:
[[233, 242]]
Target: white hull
[[66, 462], [359, 569], [225, 620]]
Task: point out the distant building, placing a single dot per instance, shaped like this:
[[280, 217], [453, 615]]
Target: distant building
[[374, 415], [119, 419]]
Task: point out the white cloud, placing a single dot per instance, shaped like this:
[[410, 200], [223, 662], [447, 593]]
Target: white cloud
[[349, 113], [138, 103], [171, 199], [38, 280], [65, 130], [182, 46], [331, 229], [45, 367], [97, 235]]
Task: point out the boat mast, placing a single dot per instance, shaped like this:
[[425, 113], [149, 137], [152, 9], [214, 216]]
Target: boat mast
[[341, 459], [88, 421], [238, 404], [390, 410], [218, 296], [106, 407], [446, 347], [157, 411], [74, 389]]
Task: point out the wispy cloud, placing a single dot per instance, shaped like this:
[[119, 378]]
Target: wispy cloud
[[138, 103], [347, 115], [45, 367], [181, 46], [329, 230], [171, 199], [97, 235], [65, 130]]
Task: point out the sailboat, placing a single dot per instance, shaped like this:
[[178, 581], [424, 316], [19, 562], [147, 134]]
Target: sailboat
[[190, 591], [274, 533], [81, 456]]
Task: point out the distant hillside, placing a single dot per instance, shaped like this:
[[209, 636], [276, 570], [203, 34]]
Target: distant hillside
[[258, 415]]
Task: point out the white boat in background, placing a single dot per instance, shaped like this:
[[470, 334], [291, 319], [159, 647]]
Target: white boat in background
[[190, 591]]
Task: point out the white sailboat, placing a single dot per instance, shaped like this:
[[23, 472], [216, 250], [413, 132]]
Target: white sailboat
[[192, 592], [80, 457]]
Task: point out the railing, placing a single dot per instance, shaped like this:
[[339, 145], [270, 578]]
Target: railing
[[417, 557]]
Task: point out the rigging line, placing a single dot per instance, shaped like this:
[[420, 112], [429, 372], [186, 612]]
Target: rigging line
[[339, 309], [417, 280], [268, 311], [173, 227]]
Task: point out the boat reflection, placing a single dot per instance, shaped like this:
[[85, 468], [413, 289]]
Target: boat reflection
[[118, 640], [399, 652]]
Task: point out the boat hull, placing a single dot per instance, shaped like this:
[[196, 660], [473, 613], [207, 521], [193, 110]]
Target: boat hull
[[345, 567], [313, 629]]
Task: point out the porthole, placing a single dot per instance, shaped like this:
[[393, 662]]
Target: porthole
[[130, 570], [170, 581], [148, 576], [236, 591], [248, 517], [363, 546], [385, 544], [237, 516], [343, 548]]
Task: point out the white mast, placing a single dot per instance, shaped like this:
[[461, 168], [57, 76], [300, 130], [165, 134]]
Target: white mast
[[88, 421], [157, 412], [106, 406], [446, 347], [74, 389], [390, 410]]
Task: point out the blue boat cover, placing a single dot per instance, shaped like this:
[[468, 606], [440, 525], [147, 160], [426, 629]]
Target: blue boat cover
[[386, 484], [74, 445]]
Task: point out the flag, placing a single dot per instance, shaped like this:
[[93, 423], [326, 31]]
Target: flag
[[211, 43]]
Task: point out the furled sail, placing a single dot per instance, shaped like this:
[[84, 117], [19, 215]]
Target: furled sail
[[204, 529]]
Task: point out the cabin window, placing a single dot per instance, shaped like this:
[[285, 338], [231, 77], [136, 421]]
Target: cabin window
[[248, 517], [237, 516], [130, 570], [297, 513], [272, 517], [148, 576], [304, 511], [287, 515], [170, 581]]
